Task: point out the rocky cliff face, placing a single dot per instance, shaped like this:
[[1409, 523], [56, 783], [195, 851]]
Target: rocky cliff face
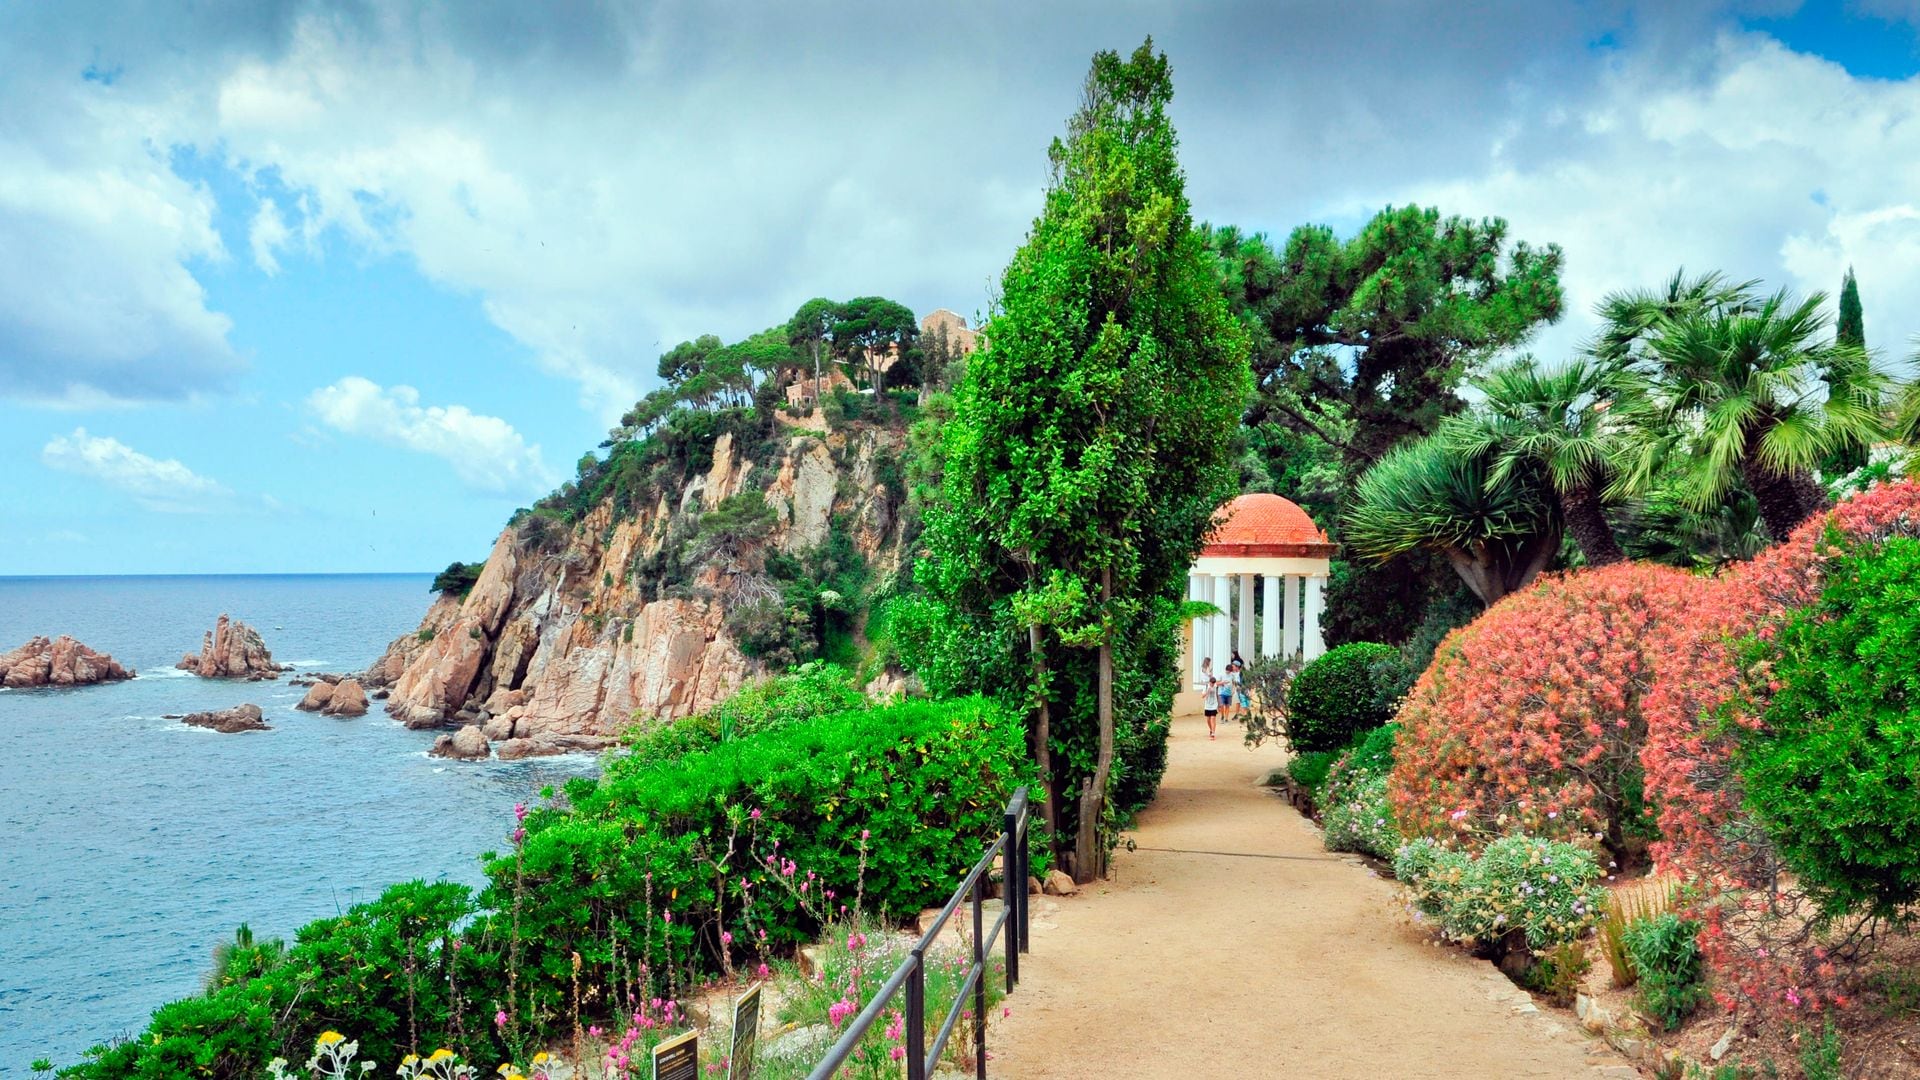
[[558, 645], [61, 661]]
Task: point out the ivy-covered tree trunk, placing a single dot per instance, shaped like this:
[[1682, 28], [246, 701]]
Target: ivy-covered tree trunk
[[1042, 733], [1090, 854]]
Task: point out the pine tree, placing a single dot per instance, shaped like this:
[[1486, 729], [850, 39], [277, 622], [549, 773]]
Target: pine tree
[[1852, 329]]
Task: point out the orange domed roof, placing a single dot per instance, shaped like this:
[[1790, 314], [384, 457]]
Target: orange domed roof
[[1265, 525]]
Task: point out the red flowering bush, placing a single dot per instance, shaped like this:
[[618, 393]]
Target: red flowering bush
[[1759, 927], [1530, 719]]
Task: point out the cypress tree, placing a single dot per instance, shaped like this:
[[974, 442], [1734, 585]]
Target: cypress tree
[[1852, 329]]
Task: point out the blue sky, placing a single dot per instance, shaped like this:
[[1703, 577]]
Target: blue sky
[[310, 287]]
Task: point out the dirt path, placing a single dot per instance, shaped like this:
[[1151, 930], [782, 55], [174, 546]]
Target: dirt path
[[1231, 945]]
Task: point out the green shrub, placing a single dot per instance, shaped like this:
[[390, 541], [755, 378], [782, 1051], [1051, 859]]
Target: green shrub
[[1556, 973], [909, 791], [1820, 1057], [1543, 889], [1358, 818], [1334, 698], [457, 579], [1309, 770], [1665, 951], [1831, 774]]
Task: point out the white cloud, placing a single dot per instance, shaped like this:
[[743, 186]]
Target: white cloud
[[167, 486], [485, 451], [267, 234], [1752, 159]]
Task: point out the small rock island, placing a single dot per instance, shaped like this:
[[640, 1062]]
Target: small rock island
[[60, 661], [232, 650]]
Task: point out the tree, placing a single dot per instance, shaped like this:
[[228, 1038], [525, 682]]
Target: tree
[[1090, 447], [811, 329], [1851, 328], [685, 360], [1497, 532], [1361, 344], [1569, 424], [1386, 323], [1744, 384], [870, 329]]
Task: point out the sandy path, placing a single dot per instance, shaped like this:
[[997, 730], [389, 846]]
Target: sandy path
[[1231, 945]]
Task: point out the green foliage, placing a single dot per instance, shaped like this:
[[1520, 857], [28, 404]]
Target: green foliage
[[1358, 817], [1543, 890], [1665, 950], [1091, 442], [1820, 1058], [1851, 327], [243, 958], [386, 970], [806, 693], [1309, 769], [868, 328], [1393, 677], [1499, 530], [1831, 774], [1625, 907], [1334, 698], [1556, 973], [457, 579], [910, 791]]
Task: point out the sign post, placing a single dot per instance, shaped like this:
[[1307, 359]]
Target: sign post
[[746, 1034], [678, 1058]]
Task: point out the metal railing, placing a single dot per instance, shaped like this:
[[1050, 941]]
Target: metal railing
[[911, 975]]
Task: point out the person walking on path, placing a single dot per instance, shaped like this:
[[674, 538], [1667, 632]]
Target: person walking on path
[[1210, 695]]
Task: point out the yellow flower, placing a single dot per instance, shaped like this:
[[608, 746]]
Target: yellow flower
[[328, 1038], [410, 1060], [540, 1058], [441, 1054]]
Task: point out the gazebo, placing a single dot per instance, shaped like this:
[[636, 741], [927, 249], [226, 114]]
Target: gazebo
[[1266, 537]]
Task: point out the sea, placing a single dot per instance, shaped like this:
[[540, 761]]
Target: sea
[[130, 844]]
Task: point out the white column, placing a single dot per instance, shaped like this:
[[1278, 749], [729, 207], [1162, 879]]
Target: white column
[[1196, 628], [1270, 618], [1245, 615], [1222, 599], [1316, 606], [1290, 643]]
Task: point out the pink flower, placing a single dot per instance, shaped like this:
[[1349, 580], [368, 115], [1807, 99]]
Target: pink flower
[[756, 814], [518, 835], [519, 811], [726, 937], [500, 1019], [863, 834]]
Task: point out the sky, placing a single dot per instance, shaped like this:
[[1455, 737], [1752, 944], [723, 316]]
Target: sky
[[293, 286]]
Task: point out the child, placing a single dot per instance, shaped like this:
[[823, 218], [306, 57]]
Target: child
[[1210, 694]]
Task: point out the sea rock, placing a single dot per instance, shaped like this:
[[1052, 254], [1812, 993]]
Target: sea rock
[[61, 661], [498, 729], [318, 698], [232, 650], [349, 699], [239, 718], [467, 744]]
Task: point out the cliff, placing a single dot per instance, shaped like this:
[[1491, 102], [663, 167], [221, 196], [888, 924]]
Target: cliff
[[650, 602]]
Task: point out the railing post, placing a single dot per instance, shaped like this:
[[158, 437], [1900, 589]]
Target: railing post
[[1026, 902], [917, 1017], [1014, 882], [980, 965]]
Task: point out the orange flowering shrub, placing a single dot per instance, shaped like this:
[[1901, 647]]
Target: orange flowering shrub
[[1530, 719], [1757, 935]]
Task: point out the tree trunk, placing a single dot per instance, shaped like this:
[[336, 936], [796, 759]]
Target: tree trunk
[[1494, 570], [816, 375], [1782, 504], [1587, 521], [1042, 735], [1090, 855]]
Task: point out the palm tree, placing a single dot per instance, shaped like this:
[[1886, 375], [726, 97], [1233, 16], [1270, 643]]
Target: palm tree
[[1497, 533], [1750, 389], [1571, 424]]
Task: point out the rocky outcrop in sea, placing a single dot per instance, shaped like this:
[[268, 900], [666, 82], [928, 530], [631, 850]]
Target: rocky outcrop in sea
[[229, 721], [559, 645], [61, 661], [232, 650], [335, 697]]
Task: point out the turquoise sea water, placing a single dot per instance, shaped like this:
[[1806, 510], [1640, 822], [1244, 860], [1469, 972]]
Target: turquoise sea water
[[131, 844]]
